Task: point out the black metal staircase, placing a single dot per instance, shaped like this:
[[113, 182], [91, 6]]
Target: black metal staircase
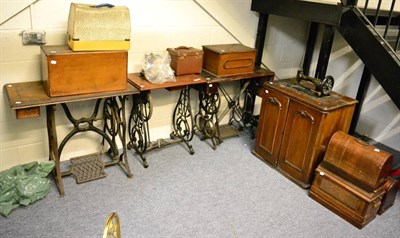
[[376, 53], [363, 30]]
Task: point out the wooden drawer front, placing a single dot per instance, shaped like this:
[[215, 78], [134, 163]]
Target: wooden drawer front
[[301, 129], [28, 112], [272, 119]]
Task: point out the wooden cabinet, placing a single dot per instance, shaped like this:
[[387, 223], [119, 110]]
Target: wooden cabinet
[[295, 127]]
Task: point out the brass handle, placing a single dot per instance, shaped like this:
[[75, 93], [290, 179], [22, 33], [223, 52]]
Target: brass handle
[[305, 114]]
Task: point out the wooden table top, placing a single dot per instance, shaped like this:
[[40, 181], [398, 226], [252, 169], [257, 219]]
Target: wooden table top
[[184, 80], [31, 94], [257, 73]]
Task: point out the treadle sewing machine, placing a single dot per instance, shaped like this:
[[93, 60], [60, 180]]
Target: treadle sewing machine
[[322, 86]]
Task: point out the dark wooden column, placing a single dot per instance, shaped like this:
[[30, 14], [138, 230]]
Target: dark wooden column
[[312, 37], [361, 93], [325, 52], [260, 38]]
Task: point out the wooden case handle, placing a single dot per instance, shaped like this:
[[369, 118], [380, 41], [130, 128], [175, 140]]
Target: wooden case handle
[[275, 101], [305, 114], [182, 48]]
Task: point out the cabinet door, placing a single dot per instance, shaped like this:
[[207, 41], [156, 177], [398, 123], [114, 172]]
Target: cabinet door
[[271, 125], [297, 150]]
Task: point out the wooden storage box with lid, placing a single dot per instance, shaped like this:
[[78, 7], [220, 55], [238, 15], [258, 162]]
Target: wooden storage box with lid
[[228, 59], [65, 72], [186, 60], [295, 127], [352, 179], [348, 201], [362, 164]]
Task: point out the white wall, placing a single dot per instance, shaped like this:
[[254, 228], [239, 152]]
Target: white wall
[[156, 25]]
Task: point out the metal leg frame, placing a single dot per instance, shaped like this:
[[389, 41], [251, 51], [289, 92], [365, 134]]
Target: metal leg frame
[[53, 147], [250, 93], [183, 120], [139, 135], [114, 120], [237, 112], [115, 125], [207, 117]]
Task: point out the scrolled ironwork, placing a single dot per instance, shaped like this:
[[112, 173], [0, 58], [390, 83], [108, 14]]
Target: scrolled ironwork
[[139, 135], [207, 117], [183, 121]]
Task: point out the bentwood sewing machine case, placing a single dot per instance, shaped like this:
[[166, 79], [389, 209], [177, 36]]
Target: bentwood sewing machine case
[[350, 181]]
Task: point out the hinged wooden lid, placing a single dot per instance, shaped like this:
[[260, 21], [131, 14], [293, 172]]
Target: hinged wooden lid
[[356, 161], [184, 51], [228, 48], [301, 93], [65, 50]]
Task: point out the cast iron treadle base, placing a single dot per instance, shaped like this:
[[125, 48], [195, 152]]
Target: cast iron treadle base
[[87, 168]]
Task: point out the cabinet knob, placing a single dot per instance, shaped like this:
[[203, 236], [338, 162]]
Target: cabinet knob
[[266, 91]]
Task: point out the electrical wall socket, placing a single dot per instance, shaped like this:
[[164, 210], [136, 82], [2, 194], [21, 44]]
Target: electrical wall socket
[[33, 37]]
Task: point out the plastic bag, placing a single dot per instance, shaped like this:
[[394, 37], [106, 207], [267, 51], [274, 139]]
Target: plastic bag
[[156, 68], [24, 184]]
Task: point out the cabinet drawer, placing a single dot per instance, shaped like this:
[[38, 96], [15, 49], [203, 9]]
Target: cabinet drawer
[[28, 112]]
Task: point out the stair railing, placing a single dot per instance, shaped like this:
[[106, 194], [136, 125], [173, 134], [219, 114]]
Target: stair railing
[[376, 11]]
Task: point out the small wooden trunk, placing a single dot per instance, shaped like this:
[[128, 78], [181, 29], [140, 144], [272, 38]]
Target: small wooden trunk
[[391, 188], [359, 163], [345, 199], [228, 60], [65, 72], [186, 60]]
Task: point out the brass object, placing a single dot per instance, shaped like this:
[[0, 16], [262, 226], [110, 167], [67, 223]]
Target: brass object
[[322, 86], [112, 228]]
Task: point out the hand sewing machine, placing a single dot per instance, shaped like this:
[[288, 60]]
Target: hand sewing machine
[[322, 87]]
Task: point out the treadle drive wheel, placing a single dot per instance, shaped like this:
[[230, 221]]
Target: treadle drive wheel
[[326, 85]]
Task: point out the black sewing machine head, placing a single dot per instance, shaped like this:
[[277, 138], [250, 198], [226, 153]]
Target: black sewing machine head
[[322, 87]]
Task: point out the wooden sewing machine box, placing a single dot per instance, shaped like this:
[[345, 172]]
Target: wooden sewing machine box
[[362, 164], [228, 59], [350, 180], [65, 72], [346, 200]]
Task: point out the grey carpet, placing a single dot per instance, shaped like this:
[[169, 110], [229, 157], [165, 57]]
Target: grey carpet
[[222, 193]]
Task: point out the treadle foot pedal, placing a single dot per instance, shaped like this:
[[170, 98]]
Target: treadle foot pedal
[[227, 131], [87, 168]]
